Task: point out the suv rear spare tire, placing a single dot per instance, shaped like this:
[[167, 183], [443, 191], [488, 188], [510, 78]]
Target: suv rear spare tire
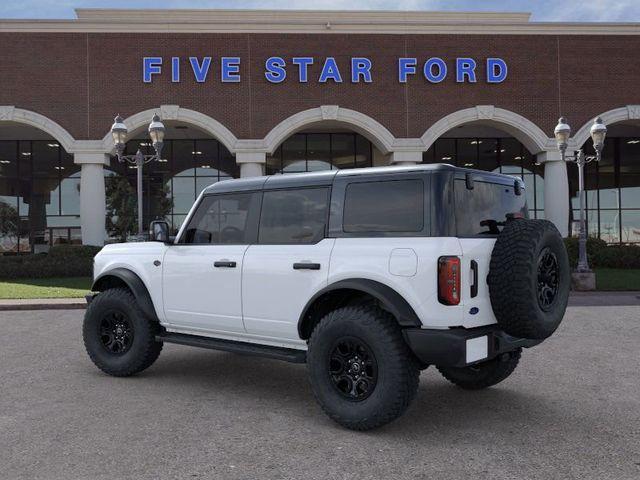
[[529, 278]]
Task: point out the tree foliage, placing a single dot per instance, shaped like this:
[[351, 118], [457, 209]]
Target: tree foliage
[[122, 206], [9, 220]]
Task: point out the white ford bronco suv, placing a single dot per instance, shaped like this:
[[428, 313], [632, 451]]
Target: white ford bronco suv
[[366, 275]]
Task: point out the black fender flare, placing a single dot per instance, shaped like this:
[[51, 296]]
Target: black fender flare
[[135, 284], [391, 301]]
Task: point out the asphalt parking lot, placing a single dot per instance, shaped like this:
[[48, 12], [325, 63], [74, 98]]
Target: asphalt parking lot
[[571, 410]]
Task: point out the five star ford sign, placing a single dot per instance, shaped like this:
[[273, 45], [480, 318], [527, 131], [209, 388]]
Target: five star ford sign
[[361, 69]]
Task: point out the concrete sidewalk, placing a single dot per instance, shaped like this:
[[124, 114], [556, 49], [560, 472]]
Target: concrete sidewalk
[[577, 299], [43, 304], [604, 299]]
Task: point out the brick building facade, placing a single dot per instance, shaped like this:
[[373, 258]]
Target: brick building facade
[[63, 81]]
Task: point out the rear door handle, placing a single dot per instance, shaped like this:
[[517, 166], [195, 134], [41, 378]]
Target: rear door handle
[[306, 266], [474, 271], [224, 264]]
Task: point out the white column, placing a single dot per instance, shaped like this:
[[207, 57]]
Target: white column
[[92, 197], [251, 163], [556, 190], [405, 158]]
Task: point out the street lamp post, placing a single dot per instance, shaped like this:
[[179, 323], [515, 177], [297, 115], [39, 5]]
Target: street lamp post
[[156, 132], [562, 133]]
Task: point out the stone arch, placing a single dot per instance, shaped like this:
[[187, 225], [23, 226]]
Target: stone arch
[[629, 112], [521, 128], [10, 113], [373, 130], [177, 113]]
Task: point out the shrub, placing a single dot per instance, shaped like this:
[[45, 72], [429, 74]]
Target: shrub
[[61, 261], [593, 245], [599, 254], [82, 251], [618, 256]]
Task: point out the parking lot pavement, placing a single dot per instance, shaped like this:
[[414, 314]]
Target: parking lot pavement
[[571, 410]]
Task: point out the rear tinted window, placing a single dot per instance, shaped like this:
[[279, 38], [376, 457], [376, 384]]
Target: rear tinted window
[[294, 216], [484, 209], [387, 206]]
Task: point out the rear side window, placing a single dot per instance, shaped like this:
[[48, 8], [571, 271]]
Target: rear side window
[[294, 216], [484, 209], [386, 206], [222, 219]]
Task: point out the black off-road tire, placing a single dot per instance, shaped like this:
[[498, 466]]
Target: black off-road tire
[[483, 375], [397, 370], [135, 356], [522, 300]]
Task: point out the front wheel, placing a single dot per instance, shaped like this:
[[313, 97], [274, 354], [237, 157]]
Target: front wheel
[[118, 337], [485, 374], [361, 371]]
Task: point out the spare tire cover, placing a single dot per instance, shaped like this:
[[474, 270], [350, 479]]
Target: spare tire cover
[[529, 278]]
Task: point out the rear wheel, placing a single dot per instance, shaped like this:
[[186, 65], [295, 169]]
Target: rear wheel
[[118, 337], [361, 371], [483, 375]]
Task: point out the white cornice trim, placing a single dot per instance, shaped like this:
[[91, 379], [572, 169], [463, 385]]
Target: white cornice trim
[[296, 16], [309, 21], [363, 124], [531, 136], [622, 114], [177, 113], [10, 113]]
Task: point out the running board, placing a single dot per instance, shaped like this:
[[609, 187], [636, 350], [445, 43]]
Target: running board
[[244, 348]]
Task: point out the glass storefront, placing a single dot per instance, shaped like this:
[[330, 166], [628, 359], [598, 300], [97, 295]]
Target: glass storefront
[[40, 184], [171, 186], [39, 196], [504, 155], [612, 191], [308, 152]]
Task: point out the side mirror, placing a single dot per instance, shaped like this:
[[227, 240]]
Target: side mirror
[[159, 231]]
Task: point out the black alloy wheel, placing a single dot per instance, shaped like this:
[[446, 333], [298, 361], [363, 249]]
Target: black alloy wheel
[[116, 333], [548, 278], [353, 368], [119, 337]]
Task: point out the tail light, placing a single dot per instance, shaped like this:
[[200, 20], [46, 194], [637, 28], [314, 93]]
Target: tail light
[[449, 280]]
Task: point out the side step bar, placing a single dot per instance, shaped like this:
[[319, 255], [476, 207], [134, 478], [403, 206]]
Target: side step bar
[[244, 348]]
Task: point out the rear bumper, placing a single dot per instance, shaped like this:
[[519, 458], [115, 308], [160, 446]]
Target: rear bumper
[[460, 347]]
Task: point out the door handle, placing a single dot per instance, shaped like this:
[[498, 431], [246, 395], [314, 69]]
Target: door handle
[[306, 266], [474, 271], [224, 264]]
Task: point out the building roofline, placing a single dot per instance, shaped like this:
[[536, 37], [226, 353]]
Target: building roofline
[[286, 15], [311, 21]]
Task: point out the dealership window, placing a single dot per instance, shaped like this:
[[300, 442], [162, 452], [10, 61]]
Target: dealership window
[[308, 152], [612, 189], [188, 167], [39, 196], [503, 155]]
